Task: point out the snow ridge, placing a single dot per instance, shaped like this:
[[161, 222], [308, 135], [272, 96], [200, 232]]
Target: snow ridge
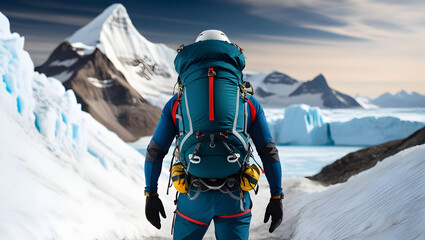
[[384, 202]]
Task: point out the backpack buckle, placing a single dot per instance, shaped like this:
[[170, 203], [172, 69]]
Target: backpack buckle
[[233, 158], [199, 134], [248, 88], [212, 144], [180, 48], [211, 73], [225, 134], [194, 159]]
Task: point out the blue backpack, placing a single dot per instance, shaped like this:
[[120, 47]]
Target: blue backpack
[[210, 111]]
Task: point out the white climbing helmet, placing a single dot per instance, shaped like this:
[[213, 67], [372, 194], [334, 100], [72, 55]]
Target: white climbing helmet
[[212, 34]]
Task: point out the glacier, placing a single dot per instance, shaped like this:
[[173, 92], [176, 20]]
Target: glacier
[[39, 100], [63, 175], [372, 130], [306, 125]]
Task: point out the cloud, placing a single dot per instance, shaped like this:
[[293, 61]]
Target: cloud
[[297, 16], [167, 19], [72, 20], [385, 25], [368, 19], [59, 6]]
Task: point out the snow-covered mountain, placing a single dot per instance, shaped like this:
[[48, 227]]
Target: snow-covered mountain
[[365, 101], [116, 73], [401, 99], [277, 89]]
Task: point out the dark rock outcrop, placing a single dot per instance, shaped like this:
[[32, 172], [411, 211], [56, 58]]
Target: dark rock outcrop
[[331, 98], [279, 78], [262, 93], [102, 91], [356, 162]]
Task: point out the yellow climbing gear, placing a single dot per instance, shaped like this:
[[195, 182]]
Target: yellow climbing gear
[[249, 177], [178, 175]]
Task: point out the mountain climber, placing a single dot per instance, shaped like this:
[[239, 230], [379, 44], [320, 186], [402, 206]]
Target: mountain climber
[[212, 121]]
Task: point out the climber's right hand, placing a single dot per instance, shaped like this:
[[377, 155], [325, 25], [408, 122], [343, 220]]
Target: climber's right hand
[[153, 208]]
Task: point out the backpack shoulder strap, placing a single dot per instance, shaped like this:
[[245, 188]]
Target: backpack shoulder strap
[[174, 113], [252, 110]]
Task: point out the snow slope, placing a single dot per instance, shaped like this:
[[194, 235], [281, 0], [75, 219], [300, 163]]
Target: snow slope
[[47, 194], [365, 102], [384, 202]]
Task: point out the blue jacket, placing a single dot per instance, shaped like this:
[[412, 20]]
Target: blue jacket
[[257, 128]]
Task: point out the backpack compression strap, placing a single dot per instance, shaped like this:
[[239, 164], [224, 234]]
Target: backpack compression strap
[[211, 74]]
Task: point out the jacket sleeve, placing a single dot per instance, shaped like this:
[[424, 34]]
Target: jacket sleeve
[[158, 147], [266, 148]]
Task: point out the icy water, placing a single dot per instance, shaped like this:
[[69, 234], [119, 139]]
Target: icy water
[[301, 161]]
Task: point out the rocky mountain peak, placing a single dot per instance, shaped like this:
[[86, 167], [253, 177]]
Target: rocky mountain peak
[[331, 98], [276, 77], [320, 81]]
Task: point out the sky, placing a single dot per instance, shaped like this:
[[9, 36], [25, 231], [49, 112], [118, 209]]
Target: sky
[[364, 47]]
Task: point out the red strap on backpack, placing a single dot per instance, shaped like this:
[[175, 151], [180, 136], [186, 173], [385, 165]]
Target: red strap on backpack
[[211, 74], [175, 105], [252, 110]]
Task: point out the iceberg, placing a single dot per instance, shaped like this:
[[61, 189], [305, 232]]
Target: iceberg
[[302, 125]]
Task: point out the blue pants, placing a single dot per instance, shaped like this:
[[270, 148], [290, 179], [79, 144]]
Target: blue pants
[[194, 216]]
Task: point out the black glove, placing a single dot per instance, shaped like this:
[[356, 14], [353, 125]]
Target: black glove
[[274, 209], [153, 208]]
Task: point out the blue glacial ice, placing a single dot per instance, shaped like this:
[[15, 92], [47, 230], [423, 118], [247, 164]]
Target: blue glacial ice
[[302, 125], [372, 130], [305, 125], [39, 100]]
